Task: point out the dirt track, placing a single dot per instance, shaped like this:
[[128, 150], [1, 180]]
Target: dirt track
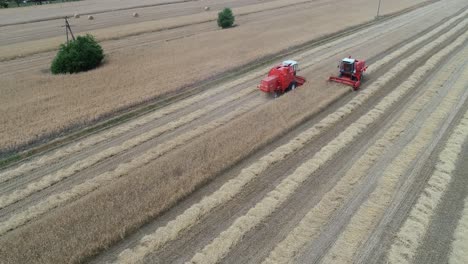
[[339, 196]]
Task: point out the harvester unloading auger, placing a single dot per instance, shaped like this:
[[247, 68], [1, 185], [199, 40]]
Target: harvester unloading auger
[[282, 78], [351, 71]]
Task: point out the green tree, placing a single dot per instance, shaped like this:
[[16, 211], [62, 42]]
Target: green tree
[[225, 18], [79, 55]]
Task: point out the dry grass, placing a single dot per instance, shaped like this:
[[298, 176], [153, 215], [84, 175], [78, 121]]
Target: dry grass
[[220, 246], [415, 227], [39, 104], [312, 223], [366, 218]]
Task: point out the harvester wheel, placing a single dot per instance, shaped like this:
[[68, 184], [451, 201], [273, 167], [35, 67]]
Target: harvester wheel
[[356, 86], [293, 86], [275, 94]]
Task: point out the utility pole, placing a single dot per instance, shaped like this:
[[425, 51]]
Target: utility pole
[[378, 10], [68, 29]]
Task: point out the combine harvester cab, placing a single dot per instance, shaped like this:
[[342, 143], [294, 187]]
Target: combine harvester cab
[[351, 71], [282, 78]]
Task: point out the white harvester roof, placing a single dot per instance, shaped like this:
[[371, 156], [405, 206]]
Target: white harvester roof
[[289, 62], [348, 60]]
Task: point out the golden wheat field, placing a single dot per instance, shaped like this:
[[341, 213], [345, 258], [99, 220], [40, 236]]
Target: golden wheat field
[[212, 170]]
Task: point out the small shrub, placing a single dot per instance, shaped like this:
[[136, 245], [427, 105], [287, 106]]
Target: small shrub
[[225, 18], [79, 55]]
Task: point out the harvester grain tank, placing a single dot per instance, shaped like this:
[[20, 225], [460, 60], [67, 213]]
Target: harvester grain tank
[[351, 72], [282, 78]]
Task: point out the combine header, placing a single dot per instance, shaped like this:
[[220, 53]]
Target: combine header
[[351, 71], [282, 78]]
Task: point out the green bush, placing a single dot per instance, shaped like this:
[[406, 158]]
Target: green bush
[[225, 18], [79, 55]]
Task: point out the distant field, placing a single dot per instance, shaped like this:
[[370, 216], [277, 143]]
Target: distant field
[[20, 3], [40, 12]]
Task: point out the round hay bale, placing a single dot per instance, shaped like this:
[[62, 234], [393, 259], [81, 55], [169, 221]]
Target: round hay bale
[[135, 14], [76, 15], [207, 8], [90, 17]]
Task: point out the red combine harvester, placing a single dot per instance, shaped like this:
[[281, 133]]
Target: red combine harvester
[[351, 71], [282, 78]]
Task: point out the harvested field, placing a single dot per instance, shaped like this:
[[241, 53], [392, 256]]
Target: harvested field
[[25, 14], [310, 225], [415, 227], [205, 178]]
